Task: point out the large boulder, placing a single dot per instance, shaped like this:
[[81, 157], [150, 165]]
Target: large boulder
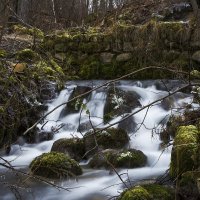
[[73, 147], [110, 138], [185, 152], [119, 102], [131, 158], [55, 165]]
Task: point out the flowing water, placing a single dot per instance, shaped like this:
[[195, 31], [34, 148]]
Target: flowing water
[[101, 184]]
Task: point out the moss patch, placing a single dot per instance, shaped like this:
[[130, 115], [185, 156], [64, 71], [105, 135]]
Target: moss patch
[[55, 165], [185, 150]]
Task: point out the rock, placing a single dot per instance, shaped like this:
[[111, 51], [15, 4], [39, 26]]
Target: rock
[[47, 91], [125, 159], [19, 67], [136, 193], [184, 156], [110, 138], [128, 125], [131, 158], [123, 57], [55, 165], [106, 57], [119, 102], [73, 147], [74, 106], [85, 126], [148, 192], [100, 160], [196, 56], [45, 136]]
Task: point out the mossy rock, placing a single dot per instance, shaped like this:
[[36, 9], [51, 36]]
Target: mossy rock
[[185, 156], [159, 192], [74, 147], [119, 102], [131, 158], [136, 193], [55, 165], [26, 55], [113, 138], [74, 106], [148, 192], [124, 159]]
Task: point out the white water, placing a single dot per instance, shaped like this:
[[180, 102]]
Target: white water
[[96, 184]]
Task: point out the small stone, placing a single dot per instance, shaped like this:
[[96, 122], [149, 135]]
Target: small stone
[[124, 57]]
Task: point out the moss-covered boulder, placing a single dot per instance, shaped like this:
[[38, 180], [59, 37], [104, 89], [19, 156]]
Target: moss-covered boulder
[[74, 147], [136, 193], [125, 159], [119, 102], [111, 138], [55, 165], [148, 192], [185, 156]]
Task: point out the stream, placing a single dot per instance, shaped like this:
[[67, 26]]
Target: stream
[[101, 184]]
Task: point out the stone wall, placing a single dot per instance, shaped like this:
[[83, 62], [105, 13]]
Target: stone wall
[[121, 49]]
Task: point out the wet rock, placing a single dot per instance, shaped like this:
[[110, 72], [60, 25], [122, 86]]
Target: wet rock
[[119, 102], [73, 147], [74, 106], [124, 159], [47, 91], [45, 136], [55, 165], [85, 126], [129, 125]]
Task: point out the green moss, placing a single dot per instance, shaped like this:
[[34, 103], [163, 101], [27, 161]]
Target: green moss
[[30, 31], [26, 55], [137, 193], [55, 165], [184, 154], [74, 147]]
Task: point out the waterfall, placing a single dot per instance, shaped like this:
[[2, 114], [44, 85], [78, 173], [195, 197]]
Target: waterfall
[[100, 183]]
